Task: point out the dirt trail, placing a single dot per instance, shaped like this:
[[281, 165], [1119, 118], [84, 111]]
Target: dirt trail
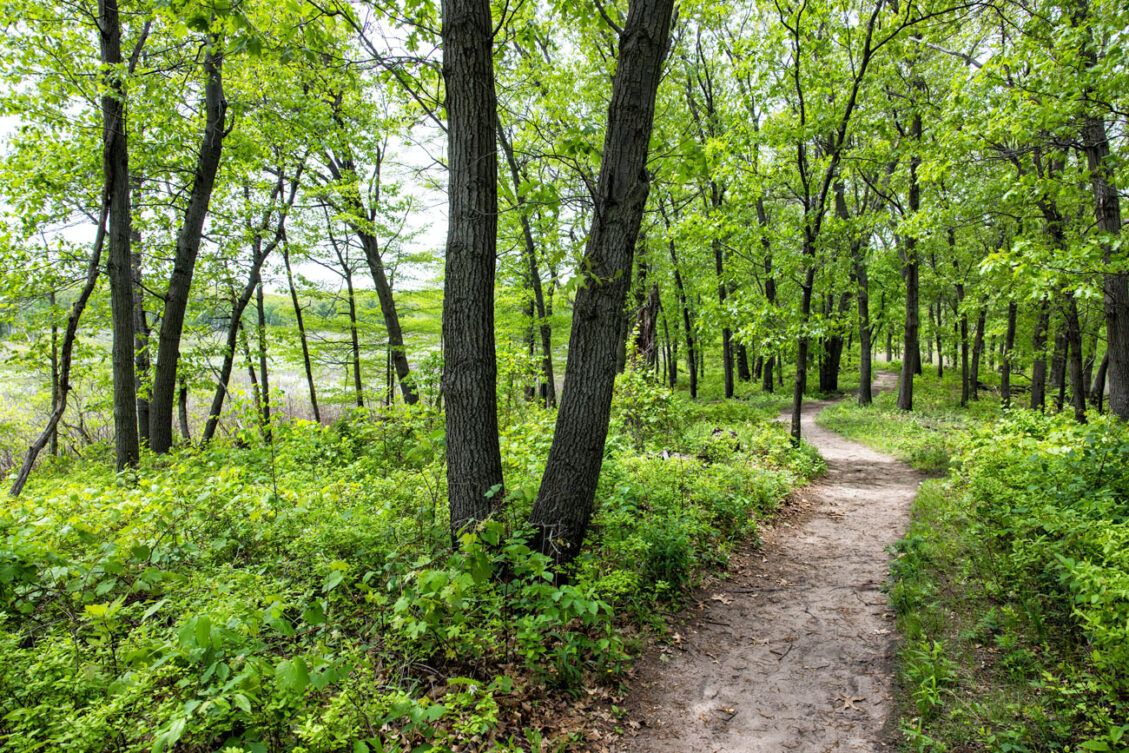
[[794, 652]]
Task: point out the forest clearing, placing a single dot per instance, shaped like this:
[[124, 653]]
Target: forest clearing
[[624, 376]]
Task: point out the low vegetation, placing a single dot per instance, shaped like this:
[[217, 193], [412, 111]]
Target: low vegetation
[[305, 595], [1012, 585]]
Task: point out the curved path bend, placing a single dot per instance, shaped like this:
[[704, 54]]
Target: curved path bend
[[794, 653]]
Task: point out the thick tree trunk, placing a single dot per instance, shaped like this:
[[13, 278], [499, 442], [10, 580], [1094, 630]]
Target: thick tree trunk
[[563, 508], [1009, 355], [474, 462], [187, 247], [115, 170], [543, 326], [1115, 286], [302, 339]]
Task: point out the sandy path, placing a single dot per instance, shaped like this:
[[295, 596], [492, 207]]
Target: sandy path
[[800, 658]]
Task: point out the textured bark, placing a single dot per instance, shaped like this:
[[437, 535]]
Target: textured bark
[[300, 319], [911, 360], [1039, 365], [474, 463], [769, 284], [1008, 355], [115, 170], [563, 508], [1115, 285], [544, 328], [187, 247]]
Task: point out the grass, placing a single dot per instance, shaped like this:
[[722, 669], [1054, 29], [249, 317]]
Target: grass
[[926, 438], [1000, 651]]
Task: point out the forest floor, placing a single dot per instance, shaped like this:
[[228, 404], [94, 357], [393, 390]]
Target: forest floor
[[795, 651]]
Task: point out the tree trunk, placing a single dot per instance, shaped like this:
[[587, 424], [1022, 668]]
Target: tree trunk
[[141, 363], [306, 364], [115, 170], [70, 334], [977, 353], [474, 462], [1115, 285], [937, 324], [563, 508], [1074, 348], [1097, 391], [187, 247], [911, 361], [544, 328], [264, 374], [1058, 367], [1009, 354], [726, 332], [1039, 365], [687, 322], [182, 410], [800, 381], [769, 284], [354, 341], [55, 397], [862, 283]]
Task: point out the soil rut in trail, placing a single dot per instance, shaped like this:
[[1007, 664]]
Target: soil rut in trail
[[795, 652]]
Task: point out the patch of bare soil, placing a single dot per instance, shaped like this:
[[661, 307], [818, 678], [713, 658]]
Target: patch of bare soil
[[795, 651]]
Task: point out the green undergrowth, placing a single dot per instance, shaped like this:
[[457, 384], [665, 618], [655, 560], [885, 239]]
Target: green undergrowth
[[925, 438], [305, 596], [1012, 584]]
